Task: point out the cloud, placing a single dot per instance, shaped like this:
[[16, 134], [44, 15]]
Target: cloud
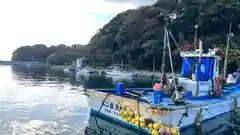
[[52, 22], [134, 2]]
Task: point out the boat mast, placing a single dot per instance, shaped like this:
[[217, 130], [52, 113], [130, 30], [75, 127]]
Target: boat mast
[[226, 53], [164, 53], [170, 57]]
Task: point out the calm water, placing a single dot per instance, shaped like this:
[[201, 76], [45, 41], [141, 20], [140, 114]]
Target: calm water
[[39, 101]]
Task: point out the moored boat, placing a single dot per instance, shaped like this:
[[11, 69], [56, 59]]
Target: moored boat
[[116, 71], [161, 118], [81, 67], [86, 70], [99, 125]]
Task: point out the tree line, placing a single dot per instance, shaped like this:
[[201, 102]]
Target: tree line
[[56, 55], [135, 37]]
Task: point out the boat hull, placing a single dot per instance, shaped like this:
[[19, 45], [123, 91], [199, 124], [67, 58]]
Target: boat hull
[[85, 70], [210, 126], [102, 125], [119, 74], [175, 117]]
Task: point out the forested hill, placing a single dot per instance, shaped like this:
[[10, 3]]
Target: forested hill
[[57, 55], [135, 37]]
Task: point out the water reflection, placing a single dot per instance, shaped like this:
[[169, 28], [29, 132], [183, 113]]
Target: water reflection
[[38, 74], [36, 104], [46, 102], [93, 81]]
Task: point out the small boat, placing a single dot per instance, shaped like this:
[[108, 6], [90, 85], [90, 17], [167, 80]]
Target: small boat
[[86, 69], [197, 95], [116, 71]]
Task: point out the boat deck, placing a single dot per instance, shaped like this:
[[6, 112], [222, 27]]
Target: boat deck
[[195, 102]]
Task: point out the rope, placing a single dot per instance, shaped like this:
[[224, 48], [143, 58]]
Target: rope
[[175, 42], [100, 130], [98, 126], [235, 46], [184, 114], [102, 104]]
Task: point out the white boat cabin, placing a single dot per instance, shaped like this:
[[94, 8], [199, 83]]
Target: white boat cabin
[[200, 72]]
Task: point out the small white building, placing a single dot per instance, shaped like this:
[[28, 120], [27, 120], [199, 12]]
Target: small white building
[[80, 62]]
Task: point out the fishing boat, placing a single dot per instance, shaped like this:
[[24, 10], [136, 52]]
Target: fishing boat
[[197, 95], [117, 71], [98, 125]]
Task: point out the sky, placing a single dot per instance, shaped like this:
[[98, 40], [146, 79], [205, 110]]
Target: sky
[[53, 22]]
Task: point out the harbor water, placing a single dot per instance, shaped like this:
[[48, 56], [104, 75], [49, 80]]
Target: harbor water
[[41, 101]]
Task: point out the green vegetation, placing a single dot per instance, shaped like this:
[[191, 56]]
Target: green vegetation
[[135, 37], [57, 55]]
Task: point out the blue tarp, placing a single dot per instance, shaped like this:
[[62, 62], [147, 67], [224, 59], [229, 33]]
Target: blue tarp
[[238, 80], [187, 67], [205, 69]]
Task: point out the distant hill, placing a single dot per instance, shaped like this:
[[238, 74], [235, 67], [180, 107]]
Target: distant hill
[[135, 37]]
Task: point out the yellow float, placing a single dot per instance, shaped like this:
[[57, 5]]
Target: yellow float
[[155, 132], [150, 126], [155, 128]]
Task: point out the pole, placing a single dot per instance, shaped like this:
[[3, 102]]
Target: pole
[[153, 64], [201, 50], [226, 53], [129, 60], [164, 53], [170, 58], [199, 62], [196, 35]]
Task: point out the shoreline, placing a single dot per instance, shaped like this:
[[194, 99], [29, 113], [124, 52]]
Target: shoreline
[[143, 73]]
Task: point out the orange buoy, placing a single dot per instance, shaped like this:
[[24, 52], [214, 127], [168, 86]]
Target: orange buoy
[[157, 86]]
